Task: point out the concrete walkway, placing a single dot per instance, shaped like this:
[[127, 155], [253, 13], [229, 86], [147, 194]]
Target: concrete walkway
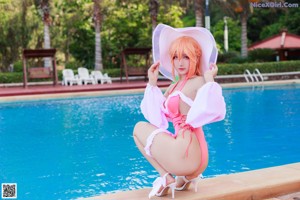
[[252, 185], [39, 88]]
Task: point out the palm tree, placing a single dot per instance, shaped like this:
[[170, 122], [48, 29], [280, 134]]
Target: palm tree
[[24, 26], [44, 10], [97, 20], [243, 9], [198, 9], [198, 5], [153, 8]]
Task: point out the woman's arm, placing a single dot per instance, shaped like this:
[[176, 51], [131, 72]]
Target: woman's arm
[[153, 77], [151, 105], [153, 73], [210, 74]]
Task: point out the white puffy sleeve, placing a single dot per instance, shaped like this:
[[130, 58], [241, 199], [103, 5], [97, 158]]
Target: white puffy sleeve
[[151, 106], [209, 106]]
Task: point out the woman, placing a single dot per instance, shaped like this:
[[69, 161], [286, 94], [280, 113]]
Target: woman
[[193, 101]]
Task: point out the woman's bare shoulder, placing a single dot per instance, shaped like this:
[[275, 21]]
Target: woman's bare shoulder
[[197, 81]]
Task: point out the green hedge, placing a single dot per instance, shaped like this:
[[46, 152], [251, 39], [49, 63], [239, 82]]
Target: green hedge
[[262, 55], [264, 67], [224, 69], [17, 77], [256, 55], [113, 72], [11, 77]]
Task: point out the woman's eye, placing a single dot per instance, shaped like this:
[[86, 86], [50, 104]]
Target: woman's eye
[[175, 57], [186, 57]]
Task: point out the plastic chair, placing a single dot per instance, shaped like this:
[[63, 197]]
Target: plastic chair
[[84, 76], [69, 78], [103, 78]]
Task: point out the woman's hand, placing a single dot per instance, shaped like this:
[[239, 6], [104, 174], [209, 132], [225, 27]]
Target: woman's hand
[[210, 74], [153, 73]]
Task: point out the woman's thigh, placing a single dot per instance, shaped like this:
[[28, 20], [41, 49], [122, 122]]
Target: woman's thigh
[[142, 130], [170, 152], [178, 156]]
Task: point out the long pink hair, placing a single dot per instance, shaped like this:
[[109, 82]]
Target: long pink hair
[[190, 47]]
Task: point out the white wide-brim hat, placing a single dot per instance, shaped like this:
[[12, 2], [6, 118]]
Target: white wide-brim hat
[[164, 35]]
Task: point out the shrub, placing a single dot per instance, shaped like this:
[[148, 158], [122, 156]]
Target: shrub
[[18, 66], [73, 65], [264, 67], [262, 55], [11, 77], [239, 59], [114, 72], [227, 56]]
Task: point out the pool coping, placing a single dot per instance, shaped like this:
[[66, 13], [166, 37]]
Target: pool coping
[[132, 91], [256, 184]]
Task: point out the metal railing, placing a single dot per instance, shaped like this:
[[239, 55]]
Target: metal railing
[[247, 75], [256, 76]]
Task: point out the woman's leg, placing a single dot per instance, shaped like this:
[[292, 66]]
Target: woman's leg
[[204, 154], [180, 156], [141, 132], [204, 160], [168, 153]]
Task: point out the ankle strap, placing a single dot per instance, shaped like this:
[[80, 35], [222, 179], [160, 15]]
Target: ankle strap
[[164, 179]]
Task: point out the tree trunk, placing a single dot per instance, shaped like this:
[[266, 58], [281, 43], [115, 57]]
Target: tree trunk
[[198, 12], [45, 10], [98, 50], [67, 49], [244, 40], [47, 61], [24, 26], [153, 7]]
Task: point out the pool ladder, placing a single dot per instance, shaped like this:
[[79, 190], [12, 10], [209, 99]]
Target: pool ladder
[[254, 77]]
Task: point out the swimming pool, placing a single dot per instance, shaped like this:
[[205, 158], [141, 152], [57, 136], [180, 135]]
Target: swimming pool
[[71, 148]]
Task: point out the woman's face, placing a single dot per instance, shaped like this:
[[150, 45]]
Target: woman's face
[[182, 65]]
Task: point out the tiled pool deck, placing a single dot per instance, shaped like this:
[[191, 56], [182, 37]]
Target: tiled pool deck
[[276, 183], [38, 88]]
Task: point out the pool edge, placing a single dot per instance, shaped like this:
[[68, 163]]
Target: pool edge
[[5, 99], [256, 184]]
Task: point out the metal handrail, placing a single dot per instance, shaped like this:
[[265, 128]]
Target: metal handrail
[[256, 71], [246, 74]]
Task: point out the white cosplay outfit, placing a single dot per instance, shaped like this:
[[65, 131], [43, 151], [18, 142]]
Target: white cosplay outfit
[[207, 107]]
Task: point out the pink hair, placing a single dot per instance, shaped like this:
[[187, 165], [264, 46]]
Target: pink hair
[[190, 47]]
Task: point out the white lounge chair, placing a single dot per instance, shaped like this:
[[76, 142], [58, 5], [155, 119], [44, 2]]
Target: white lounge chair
[[103, 78], [85, 76], [69, 78]]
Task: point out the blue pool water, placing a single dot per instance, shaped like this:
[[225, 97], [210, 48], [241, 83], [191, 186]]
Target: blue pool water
[[71, 148]]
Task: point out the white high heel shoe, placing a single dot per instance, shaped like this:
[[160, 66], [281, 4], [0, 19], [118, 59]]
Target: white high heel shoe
[[187, 182], [158, 183]]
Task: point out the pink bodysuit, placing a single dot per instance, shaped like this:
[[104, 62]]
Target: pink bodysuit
[[171, 105], [207, 107]]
